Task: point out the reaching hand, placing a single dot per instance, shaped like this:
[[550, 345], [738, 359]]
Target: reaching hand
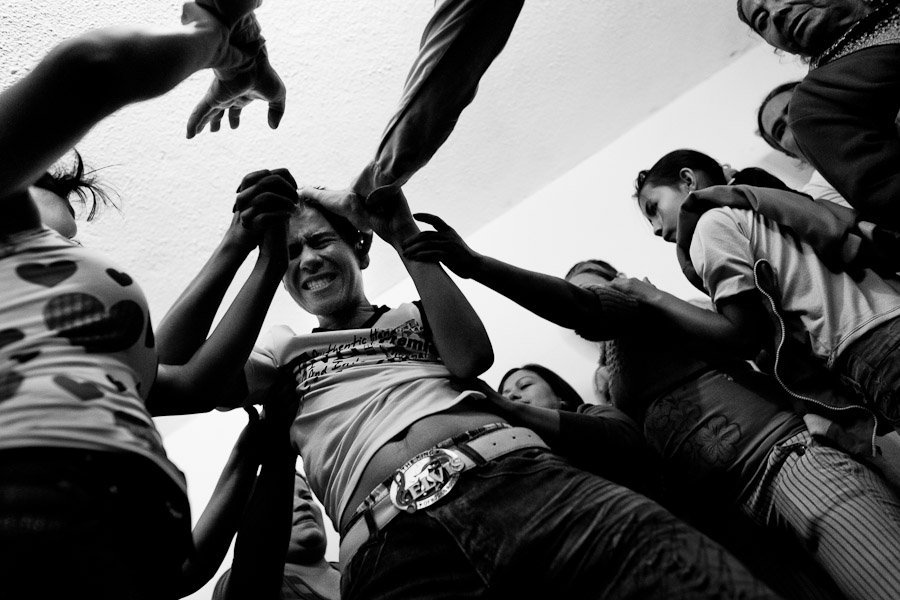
[[235, 86], [345, 203], [389, 216], [639, 289], [443, 244], [265, 200]]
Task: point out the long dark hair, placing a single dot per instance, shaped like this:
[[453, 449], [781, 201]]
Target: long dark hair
[[569, 398]]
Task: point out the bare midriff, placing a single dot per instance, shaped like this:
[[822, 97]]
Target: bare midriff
[[419, 437]]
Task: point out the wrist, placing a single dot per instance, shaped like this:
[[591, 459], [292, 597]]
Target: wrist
[[237, 240], [478, 265], [230, 12], [400, 235]]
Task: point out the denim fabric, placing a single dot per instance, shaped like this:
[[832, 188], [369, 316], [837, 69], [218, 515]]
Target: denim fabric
[[530, 525], [81, 524], [871, 366]]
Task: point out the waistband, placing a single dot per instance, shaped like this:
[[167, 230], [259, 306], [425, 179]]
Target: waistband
[[427, 477]]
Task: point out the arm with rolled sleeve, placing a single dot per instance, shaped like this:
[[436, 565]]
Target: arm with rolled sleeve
[[459, 44]]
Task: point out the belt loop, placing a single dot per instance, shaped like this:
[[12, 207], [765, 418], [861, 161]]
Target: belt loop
[[370, 523], [471, 453]]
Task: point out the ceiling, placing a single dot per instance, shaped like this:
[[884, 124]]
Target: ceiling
[[574, 76]]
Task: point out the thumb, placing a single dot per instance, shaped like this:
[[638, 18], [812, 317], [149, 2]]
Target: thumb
[[433, 220], [311, 194]]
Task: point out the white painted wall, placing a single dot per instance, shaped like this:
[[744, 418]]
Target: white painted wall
[[586, 213]]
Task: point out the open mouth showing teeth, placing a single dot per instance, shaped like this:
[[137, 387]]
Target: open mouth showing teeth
[[318, 283]]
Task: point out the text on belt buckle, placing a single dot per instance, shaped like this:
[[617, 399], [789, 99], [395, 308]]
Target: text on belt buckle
[[425, 479]]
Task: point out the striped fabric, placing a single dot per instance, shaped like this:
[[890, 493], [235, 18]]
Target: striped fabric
[[841, 511]]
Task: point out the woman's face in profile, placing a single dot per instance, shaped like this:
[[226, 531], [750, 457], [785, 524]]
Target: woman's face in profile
[[529, 387]]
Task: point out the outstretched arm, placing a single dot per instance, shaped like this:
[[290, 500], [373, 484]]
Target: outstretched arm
[[197, 374], [87, 78], [741, 327], [220, 519], [265, 530], [457, 331], [599, 439], [234, 87], [549, 297], [460, 42], [458, 45]]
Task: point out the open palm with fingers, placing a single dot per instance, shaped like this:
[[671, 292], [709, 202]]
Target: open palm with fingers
[[441, 245], [233, 89]]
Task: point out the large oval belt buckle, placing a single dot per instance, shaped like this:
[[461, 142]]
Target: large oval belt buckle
[[425, 479]]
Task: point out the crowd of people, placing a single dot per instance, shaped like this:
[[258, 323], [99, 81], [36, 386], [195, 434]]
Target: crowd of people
[[733, 452]]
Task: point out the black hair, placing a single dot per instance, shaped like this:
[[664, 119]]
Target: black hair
[[359, 241], [784, 87], [593, 265], [569, 398], [667, 170], [66, 181]]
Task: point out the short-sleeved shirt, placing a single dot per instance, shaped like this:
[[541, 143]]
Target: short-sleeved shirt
[[77, 352], [832, 307], [358, 389]]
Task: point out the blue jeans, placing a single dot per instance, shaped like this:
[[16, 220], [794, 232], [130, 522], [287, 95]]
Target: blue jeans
[[871, 367], [83, 524], [530, 525]]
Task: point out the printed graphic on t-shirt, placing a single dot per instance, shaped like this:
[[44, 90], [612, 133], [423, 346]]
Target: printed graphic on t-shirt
[[403, 343]]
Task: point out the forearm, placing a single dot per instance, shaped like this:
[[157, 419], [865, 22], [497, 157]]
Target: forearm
[[550, 298], [262, 541], [457, 330], [459, 43], [220, 519], [605, 441], [608, 444], [86, 79], [708, 330], [215, 370], [543, 421], [184, 328]]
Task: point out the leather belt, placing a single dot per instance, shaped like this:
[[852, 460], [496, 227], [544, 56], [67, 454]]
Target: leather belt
[[430, 475]]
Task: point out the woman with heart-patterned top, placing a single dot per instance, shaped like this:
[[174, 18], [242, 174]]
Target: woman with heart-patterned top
[[85, 485]]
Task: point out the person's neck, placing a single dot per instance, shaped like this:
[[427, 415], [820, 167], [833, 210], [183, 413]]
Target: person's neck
[[352, 317]]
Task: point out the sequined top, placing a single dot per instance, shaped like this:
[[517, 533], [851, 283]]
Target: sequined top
[[880, 27]]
